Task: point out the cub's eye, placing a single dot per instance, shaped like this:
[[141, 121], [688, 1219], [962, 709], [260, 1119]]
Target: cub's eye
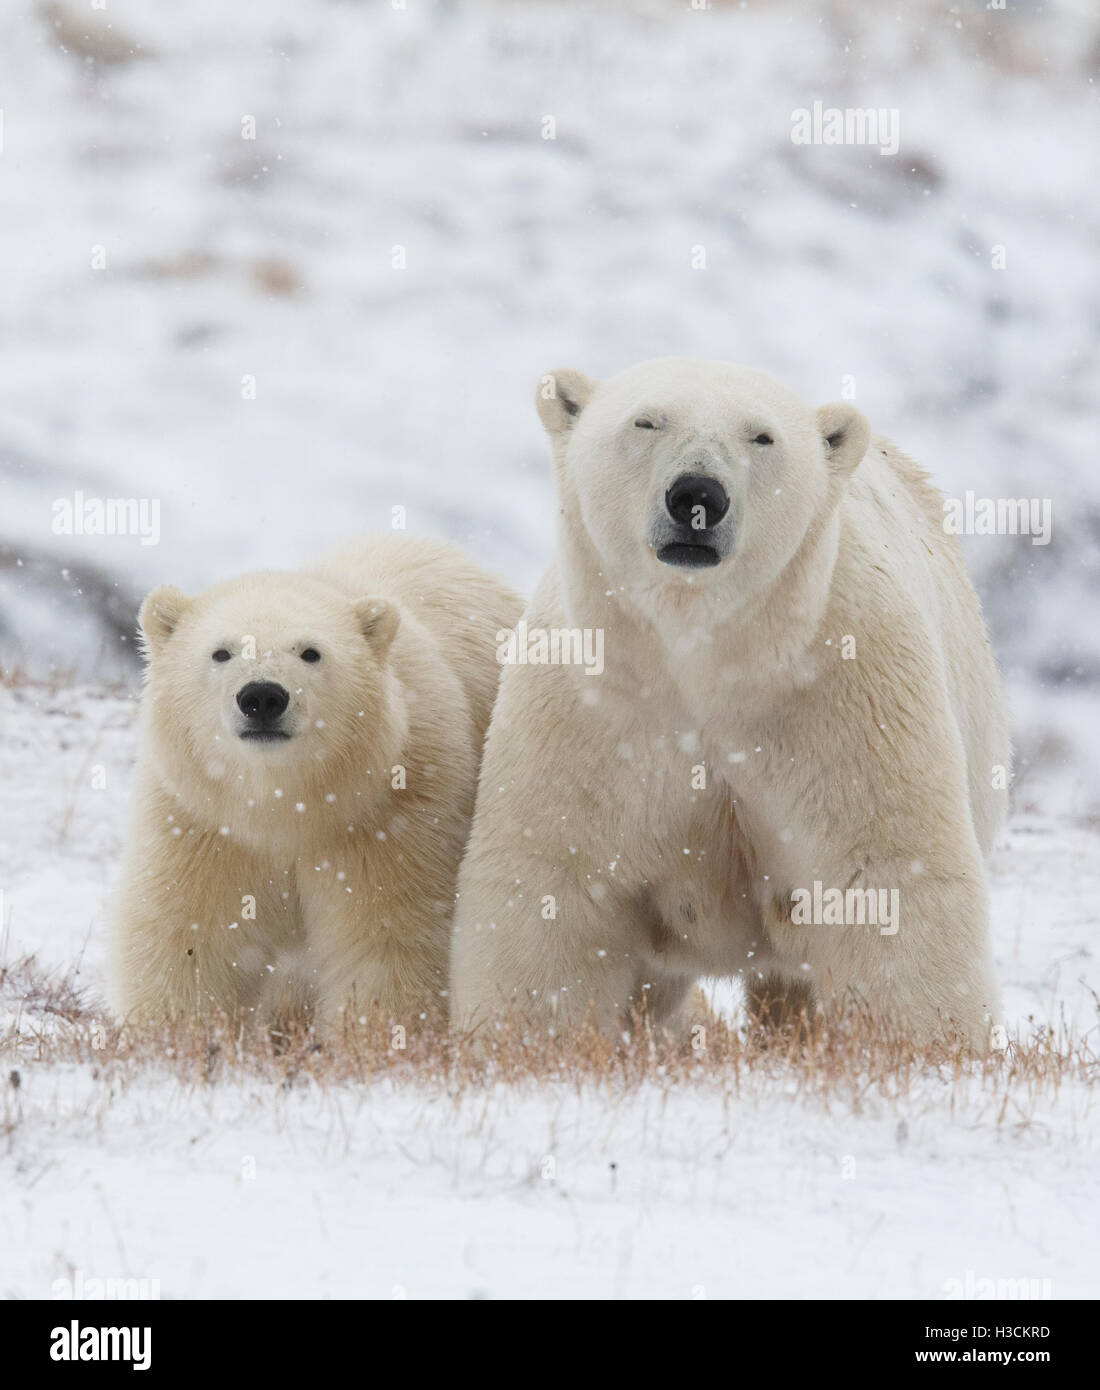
[[221, 655], [311, 654], [763, 439], [643, 422]]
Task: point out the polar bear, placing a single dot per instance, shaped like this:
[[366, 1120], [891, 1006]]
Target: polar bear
[[308, 764], [795, 757]]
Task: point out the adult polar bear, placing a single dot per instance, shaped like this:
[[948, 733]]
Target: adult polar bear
[[799, 691]]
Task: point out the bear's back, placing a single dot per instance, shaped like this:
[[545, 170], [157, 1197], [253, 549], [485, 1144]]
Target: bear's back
[[460, 604], [897, 512]]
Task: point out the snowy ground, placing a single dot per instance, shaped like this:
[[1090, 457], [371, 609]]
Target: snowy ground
[[247, 1188]]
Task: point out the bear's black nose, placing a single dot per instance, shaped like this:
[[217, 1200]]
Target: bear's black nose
[[262, 701], [696, 501]]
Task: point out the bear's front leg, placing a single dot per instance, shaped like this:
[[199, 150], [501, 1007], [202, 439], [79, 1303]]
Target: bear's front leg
[[548, 938], [905, 940], [377, 924], [867, 865], [593, 866], [200, 922]]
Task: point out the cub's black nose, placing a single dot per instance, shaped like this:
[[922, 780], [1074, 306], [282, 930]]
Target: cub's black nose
[[262, 701], [698, 502]]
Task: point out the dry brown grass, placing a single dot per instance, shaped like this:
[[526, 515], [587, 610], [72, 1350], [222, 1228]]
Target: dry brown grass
[[48, 1020]]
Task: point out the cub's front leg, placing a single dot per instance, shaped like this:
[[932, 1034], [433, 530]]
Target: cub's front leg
[[377, 918], [200, 921], [379, 894]]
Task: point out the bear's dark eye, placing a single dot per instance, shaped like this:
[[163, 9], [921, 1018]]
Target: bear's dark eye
[[763, 439], [221, 655], [311, 654], [643, 422]]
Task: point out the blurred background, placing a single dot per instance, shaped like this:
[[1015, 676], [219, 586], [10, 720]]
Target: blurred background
[[285, 266]]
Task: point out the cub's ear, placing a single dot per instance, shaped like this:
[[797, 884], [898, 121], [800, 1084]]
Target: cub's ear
[[159, 615], [846, 435], [560, 398], [378, 622]]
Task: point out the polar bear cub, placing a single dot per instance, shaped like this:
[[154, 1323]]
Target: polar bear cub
[[796, 755], [309, 754]]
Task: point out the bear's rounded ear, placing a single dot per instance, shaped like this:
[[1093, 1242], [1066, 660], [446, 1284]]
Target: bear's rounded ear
[[378, 622], [846, 435], [159, 615], [560, 398]]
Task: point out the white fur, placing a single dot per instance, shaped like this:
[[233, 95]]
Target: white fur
[[874, 772], [352, 877]]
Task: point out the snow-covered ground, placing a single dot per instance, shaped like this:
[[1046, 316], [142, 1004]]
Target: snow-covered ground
[[252, 1192], [222, 325], [746, 1187]]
